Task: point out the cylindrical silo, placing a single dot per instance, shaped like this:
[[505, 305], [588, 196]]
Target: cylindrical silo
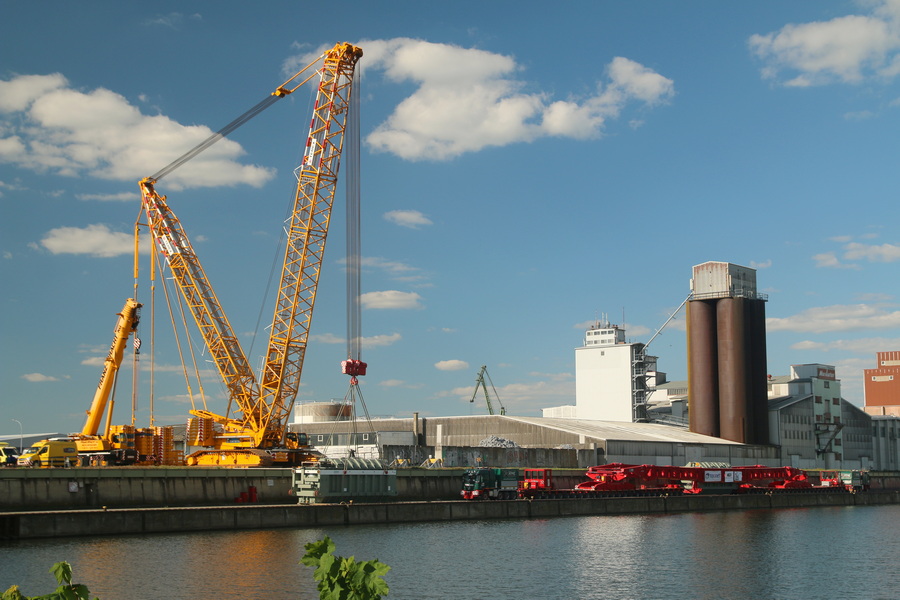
[[758, 375], [732, 355], [702, 367]]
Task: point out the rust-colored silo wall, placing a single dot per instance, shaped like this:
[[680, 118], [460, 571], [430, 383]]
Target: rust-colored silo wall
[[703, 384], [758, 409], [733, 363]]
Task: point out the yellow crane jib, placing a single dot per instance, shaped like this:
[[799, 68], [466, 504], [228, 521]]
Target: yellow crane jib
[[253, 431]]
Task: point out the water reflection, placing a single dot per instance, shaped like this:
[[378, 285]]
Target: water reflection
[[803, 553]]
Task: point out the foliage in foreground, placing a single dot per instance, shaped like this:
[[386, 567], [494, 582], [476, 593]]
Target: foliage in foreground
[[338, 578], [66, 590], [344, 578]]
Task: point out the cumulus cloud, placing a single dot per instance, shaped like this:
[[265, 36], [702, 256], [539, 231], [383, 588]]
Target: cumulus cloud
[[884, 253], [528, 397], [367, 342], [845, 49], [856, 251], [869, 346], [38, 377], [839, 317], [95, 240], [467, 99], [120, 197], [407, 218], [390, 299], [451, 365], [49, 126]]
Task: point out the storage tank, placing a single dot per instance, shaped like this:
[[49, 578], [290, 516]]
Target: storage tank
[[727, 354], [321, 412]]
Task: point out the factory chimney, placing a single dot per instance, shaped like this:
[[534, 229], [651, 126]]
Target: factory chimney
[[726, 338]]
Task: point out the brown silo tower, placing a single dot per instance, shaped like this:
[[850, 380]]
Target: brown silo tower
[[726, 337]]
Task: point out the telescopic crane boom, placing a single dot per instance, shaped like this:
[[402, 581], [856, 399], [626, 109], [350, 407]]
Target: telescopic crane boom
[[255, 424], [91, 443]]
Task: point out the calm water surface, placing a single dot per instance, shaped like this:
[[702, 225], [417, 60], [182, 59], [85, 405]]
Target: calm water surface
[[834, 552]]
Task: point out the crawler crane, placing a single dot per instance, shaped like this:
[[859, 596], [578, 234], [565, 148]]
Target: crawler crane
[[253, 430]]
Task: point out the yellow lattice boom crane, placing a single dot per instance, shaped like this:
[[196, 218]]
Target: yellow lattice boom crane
[[253, 430]]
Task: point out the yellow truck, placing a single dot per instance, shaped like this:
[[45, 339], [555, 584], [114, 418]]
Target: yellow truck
[[54, 452], [8, 455]]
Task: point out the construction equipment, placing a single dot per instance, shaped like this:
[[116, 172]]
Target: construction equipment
[[253, 430], [487, 483], [480, 384], [619, 480], [114, 445]]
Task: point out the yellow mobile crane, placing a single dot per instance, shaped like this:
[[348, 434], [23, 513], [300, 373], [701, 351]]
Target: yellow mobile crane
[[110, 447], [253, 430]]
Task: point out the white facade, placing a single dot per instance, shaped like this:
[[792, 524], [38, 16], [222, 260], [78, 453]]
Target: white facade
[[603, 374]]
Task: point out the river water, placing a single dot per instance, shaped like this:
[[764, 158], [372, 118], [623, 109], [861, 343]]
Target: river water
[[811, 553]]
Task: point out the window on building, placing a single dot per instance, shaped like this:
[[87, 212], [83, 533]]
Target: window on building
[[827, 384], [818, 399], [836, 401]]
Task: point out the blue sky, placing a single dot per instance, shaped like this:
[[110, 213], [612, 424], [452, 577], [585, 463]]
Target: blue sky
[[525, 171]]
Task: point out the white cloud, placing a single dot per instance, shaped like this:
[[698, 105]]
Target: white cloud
[[855, 251], [407, 218], [469, 99], [380, 340], [839, 317], [49, 126], [95, 240], [390, 299], [367, 342], [829, 260], [38, 377], [761, 265], [884, 253], [120, 197], [869, 346], [845, 49], [451, 365]]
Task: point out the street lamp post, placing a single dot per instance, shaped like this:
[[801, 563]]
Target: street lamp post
[[21, 436]]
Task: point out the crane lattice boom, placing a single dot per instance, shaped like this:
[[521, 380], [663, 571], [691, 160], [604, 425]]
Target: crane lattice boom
[[258, 411]]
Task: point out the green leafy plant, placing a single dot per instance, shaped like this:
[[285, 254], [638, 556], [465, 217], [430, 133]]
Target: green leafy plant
[[66, 590], [342, 578]]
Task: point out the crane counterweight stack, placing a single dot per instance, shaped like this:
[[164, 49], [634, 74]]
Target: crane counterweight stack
[[253, 431]]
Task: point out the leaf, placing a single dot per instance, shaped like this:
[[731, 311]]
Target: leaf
[[63, 572]]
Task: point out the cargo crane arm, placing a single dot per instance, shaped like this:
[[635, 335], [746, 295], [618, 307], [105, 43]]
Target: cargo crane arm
[[482, 385], [126, 324], [261, 408]]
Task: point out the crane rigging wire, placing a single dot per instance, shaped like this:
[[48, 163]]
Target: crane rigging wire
[[261, 106], [279, 93]]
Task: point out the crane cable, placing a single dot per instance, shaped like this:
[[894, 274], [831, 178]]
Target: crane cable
[[279, 93], [260, 106]]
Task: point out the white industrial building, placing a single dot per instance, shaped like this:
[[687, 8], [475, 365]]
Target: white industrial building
[[613, 378]]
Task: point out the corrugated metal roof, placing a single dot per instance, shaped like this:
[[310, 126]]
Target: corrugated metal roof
[[614, 430]]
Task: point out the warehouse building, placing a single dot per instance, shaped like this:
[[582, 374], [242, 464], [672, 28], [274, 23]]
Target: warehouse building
[[526, 441]]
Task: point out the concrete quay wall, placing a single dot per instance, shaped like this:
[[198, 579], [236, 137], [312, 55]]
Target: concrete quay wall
[[120, 487], [123, 521]]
